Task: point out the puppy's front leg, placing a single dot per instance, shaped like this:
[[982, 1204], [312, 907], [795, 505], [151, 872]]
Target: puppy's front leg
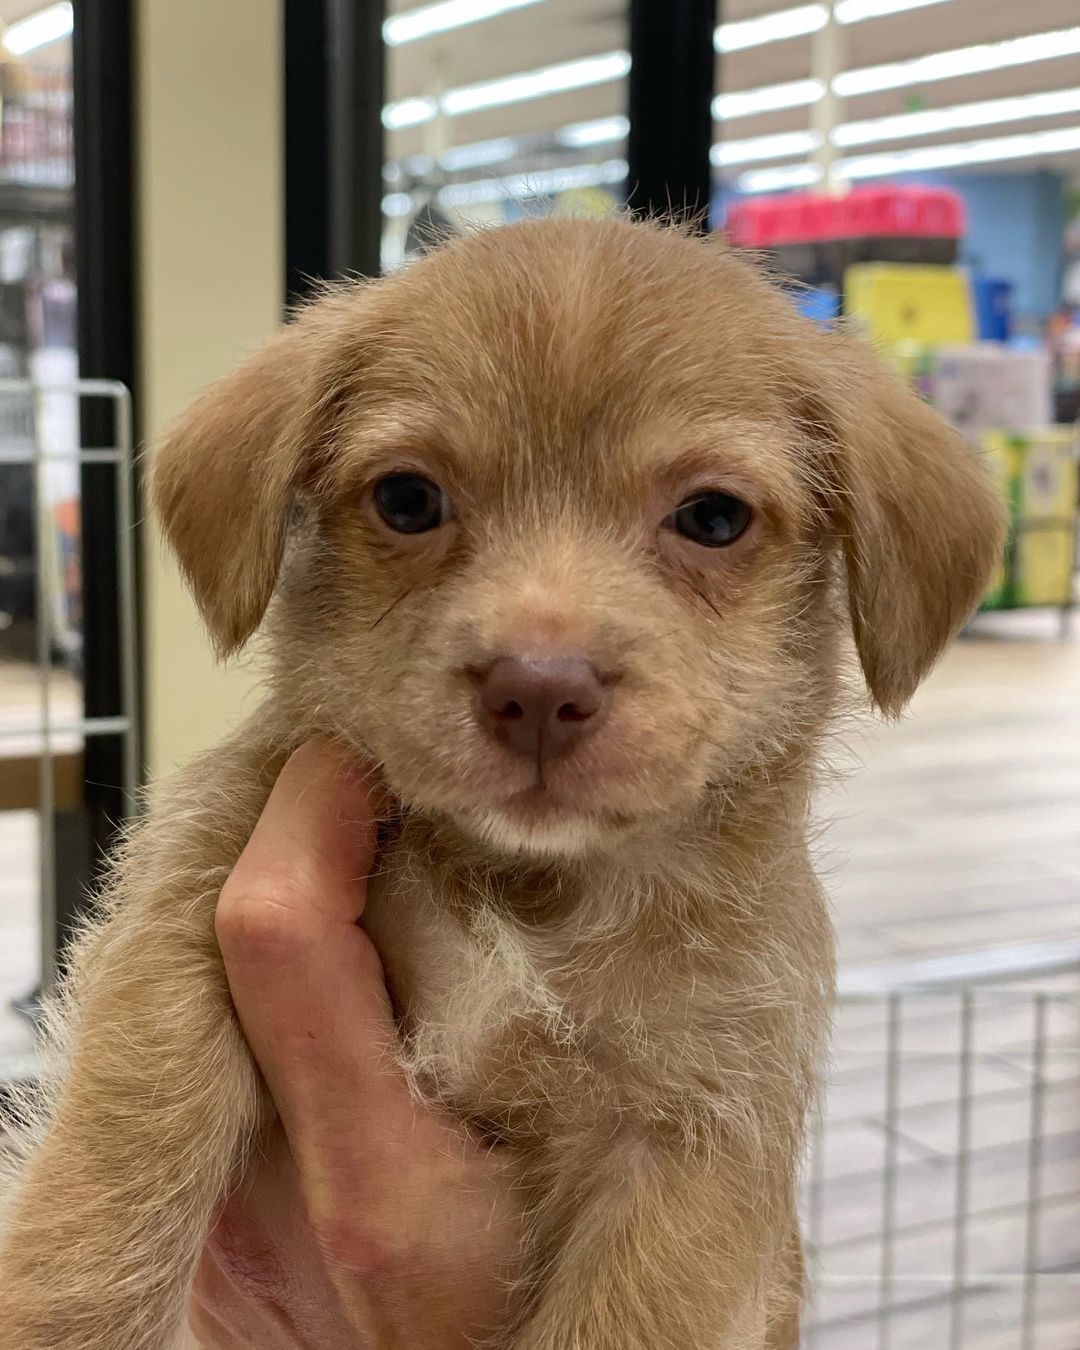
[[160, 1099], [668, 1252]]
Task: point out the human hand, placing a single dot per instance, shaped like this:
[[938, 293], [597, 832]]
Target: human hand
[[367, 1221]]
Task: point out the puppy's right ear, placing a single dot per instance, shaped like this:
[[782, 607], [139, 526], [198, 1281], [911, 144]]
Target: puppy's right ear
[[224, 476]]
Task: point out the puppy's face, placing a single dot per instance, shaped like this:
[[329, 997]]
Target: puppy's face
[[546, 612], [569, 498]]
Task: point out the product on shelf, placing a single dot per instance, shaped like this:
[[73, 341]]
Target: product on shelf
[[985, 385], [1038, 475], [898, 303], [817, 237]]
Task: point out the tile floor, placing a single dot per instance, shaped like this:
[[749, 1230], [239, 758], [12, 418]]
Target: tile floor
[[952, 834], [956, 847]]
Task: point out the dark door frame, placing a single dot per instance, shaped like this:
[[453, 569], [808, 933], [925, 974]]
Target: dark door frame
[[102, 77], [334, 92], [671, 92]]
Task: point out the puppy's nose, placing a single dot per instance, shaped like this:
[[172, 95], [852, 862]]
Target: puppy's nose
[[541, 705]]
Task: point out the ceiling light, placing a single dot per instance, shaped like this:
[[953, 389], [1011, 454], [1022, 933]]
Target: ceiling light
[[784, 23], [990, 151], [397, 204], [962, 61], [764, 147], [599, 131], [769, 98], [542, 183], [428, 19], [38, 30], [855, 11], [529, 84], [418, 166], [408, 112], [776, 180], [935, 120], [479, 154], [804, 19]]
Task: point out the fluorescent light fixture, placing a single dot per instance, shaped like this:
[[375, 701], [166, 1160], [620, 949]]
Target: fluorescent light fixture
[[990, 151], [933, 121], [408, 112], [775, 27], [529, 84], [542, 183], [418, 166], [962, 61], [599, 131], [479, 154], [805, 19], [39, 29], [769, 98], [426, 20], [764, 147], [776, 180], [855, 11], [752, 149], [396, 204], [993, 150]]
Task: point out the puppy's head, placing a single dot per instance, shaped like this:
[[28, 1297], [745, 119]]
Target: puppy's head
[[554, 519]]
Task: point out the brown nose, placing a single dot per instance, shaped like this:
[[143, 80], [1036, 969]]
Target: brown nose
[[541, 705]]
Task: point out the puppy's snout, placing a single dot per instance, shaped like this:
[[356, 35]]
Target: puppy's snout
[[540, 705]]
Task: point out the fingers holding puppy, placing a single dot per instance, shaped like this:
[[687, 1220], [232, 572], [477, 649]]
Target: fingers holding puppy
[[369, 1219], [306, 980]]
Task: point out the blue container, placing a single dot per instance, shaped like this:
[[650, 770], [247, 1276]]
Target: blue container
[[820, 303], [993, 308]]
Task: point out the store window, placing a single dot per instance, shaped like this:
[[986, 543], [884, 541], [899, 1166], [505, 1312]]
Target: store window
[[69, 763], [499, 109], [40, 519]]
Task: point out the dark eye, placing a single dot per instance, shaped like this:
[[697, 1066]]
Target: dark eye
[[410, 503], [713, 519]]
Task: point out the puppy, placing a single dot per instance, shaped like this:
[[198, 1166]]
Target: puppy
[[565, 527]]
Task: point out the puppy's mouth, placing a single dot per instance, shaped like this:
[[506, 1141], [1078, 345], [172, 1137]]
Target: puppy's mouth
[[543, 819], [540, 801], [588, 795]]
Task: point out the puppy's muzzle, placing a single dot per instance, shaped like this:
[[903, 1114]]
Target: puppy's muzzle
[[541, 705]]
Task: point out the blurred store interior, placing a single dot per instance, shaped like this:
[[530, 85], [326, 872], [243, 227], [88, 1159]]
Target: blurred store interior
[[171, 175]]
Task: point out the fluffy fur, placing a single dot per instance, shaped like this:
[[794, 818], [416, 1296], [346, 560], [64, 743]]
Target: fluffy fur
[[628, 977]]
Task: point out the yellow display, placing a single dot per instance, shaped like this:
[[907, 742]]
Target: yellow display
[[908, 305]]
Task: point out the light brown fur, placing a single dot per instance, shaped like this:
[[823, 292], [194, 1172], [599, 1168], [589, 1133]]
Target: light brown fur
[[631, 984]]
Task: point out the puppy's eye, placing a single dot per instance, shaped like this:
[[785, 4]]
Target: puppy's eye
[[410, 503], [714, 519]]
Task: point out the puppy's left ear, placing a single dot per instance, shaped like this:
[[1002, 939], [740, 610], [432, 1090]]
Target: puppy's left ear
[[919, 521]]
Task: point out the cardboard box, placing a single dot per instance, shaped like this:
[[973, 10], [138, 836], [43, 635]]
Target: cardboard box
[[984, 385]]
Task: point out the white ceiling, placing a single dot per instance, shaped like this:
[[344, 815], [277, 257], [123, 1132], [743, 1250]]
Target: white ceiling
[[552, 31]]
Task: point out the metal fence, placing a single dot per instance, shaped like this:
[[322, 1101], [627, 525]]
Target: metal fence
[[44, 731], [942, 1203]]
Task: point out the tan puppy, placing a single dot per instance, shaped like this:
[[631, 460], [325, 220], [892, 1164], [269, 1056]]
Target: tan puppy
[[564, 527]]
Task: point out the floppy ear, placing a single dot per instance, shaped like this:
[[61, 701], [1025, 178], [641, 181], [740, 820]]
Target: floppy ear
[[225, 473], [919, 521]]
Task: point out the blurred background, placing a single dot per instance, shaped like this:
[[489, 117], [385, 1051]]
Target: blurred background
[[173, 175]]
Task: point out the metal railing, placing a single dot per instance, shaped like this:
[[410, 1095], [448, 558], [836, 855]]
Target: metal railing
[[25, 407], [942, 1202]]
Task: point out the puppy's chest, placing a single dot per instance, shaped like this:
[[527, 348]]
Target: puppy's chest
[[498, 1018]]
